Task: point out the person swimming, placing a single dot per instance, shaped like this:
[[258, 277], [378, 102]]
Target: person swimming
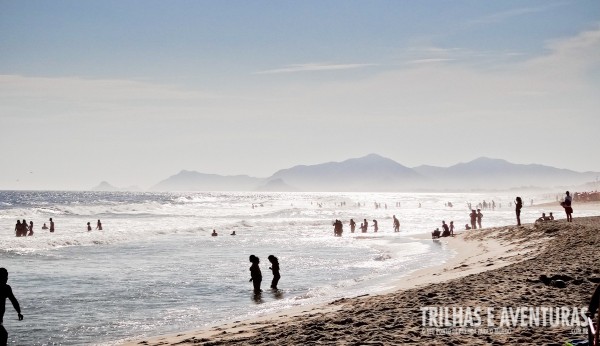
[[214, 233]]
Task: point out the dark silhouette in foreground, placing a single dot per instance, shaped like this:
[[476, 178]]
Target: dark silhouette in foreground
[[6, 292], [255, 274], [275, 269]]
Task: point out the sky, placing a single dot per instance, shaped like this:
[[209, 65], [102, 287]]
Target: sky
[[132, 92]]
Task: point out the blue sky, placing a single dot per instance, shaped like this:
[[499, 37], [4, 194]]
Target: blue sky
[[134, 91]]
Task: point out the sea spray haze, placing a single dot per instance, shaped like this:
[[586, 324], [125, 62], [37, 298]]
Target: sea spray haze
[[154, 268]]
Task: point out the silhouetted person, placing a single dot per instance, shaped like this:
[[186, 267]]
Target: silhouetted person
[[467, 227], [375, 227], [255, 274], [518, 206], [592, 309], [551, 217], [338, 228], [473, 216], [479, 216], [51, 226], [446, 229], [435, 234], [99, 225], [567, 205], [30, 228], [352, 225], [24, 228], [365, 226], [396, 224], [6, 292], [214, 233], [232, 233], [44, 226], [18, 228], [275, 269], [452, 228], [543, 217]]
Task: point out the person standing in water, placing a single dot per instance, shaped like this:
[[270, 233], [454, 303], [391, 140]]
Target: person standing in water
[[18, 228], [352, 225], [375, 227], [255, 274], [51, 226], [6, 292], [99, 225], [30, 228], [518, 206], [89, 227], [479, 216], [396, 224], [275, 269]]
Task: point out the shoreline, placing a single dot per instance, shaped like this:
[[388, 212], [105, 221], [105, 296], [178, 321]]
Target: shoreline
[[471, 256]]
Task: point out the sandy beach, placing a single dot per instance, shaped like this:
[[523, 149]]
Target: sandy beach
[[494, 269]]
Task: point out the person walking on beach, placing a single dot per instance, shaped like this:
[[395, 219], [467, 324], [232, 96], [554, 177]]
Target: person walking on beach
[[352, 225], [396, 224], [51, 226], [473, 216], [518, 206], [255, 274], [6, 292], [375, 227], [275, 269], [479, 216], [567, 205], [99, 225]]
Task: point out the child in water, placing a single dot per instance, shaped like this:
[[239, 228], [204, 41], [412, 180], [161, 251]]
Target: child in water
[[275, 269], [255, 274], [89, 227]]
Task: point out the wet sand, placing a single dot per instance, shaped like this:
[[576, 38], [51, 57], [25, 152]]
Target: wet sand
[[496, 267]]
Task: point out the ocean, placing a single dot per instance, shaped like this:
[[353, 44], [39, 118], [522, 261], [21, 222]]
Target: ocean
[[155, 268]]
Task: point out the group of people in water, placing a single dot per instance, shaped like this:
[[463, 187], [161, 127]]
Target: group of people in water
[[338, 226], [256, 274], [22, 229]]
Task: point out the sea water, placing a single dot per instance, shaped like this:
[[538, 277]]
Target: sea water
[[155, 268]]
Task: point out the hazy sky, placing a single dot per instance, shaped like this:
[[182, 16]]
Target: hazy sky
[[132, 92]]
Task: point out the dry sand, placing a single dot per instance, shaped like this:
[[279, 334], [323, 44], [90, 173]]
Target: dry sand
[[496, 267]]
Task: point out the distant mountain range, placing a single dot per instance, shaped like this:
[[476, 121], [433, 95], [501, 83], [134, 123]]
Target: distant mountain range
[[375, 173]]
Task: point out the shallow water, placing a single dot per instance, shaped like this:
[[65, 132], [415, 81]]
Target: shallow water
[[155, 269]]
